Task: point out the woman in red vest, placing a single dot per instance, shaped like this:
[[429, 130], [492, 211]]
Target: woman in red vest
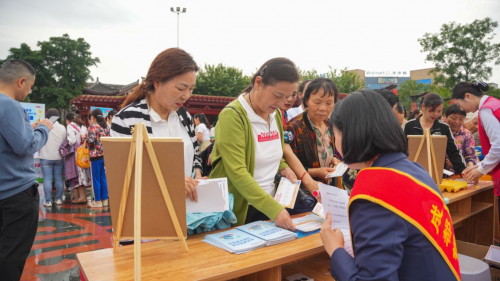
[[470, 97]]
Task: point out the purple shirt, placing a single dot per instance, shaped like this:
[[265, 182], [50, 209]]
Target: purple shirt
[[465, 143]]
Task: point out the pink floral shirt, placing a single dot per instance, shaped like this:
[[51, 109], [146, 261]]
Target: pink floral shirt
[[94, 134], [465, 142]]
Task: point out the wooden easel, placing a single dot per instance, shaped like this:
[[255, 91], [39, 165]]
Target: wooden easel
[[431, 155], [139, 138]]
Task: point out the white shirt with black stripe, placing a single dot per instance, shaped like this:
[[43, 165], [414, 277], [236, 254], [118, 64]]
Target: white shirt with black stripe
[[140, 112]]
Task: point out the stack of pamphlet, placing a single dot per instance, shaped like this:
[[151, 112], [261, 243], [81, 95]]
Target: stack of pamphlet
[[249, 237], [235, 241], [269, 232]]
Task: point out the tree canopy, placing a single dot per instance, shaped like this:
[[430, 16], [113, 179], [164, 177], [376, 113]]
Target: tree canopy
[[462, 52], [62, 66], [220, 80]]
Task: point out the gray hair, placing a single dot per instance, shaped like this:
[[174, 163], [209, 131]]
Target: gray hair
[[12, 70]]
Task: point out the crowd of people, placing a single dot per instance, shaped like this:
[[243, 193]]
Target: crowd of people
[[255, 140]]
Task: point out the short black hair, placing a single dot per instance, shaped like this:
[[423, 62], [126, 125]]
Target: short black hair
[[389, 96], [432, 100], [328, 86], [415, 113], [368, 126], [475, 88], [303, 85], [14, 69], [454, 109], [52, 112], [112, 113]]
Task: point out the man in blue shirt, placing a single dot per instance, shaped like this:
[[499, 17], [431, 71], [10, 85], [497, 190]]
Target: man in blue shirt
[[19, 140]]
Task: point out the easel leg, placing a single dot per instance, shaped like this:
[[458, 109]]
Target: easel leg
[[434, 163], [429, 156], [126, 186], [137, 205], [164, 190]]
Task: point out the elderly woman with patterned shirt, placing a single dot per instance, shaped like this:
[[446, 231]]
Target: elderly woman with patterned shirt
[[464, 139], [313, 136]]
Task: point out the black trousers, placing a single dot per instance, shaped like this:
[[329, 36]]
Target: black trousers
[[18, 225], [255, 215]]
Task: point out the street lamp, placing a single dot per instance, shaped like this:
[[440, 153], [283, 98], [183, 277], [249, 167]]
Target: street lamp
[[177, 11]]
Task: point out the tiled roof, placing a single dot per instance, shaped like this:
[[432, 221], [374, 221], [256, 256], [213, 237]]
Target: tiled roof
[[99, 88]]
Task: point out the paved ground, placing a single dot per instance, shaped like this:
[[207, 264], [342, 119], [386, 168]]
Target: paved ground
[[63, 231]]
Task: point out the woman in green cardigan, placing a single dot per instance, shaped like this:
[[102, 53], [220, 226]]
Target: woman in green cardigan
[[249, 146]]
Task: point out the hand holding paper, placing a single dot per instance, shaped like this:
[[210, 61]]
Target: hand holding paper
[[340, 169]]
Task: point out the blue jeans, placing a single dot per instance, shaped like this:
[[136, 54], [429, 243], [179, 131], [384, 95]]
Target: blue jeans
[[52, 169], [99, 180]]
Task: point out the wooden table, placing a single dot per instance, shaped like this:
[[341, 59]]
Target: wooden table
[[166, 260], [473, 213]]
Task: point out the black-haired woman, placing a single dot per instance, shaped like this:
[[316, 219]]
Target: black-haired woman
[[203, 130], [79, 178], [312, 130], [98, 128], [464, 139], [109, 118], [470, 97], [432, 109], [393, 238], [249, 144]]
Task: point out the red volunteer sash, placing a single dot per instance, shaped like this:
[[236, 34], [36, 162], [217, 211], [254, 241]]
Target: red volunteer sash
[[430, 214]]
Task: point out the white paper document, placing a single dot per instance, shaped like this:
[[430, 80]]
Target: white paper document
[[287, 192], [210, 199], [222, 182], [340, 170], [448, 173], [335, 201]]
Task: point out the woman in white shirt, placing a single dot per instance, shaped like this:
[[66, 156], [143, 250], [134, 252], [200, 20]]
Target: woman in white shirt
[[470, 97], [51, 161], [82, 178], [202, 130], [158, 102]]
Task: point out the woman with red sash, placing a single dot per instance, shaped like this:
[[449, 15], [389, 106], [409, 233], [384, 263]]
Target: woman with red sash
[[470, 97], [400, 226]]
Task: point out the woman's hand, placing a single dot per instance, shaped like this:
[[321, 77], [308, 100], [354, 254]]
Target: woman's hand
[[335, 162], [190, 186], [472, 174], [311, 186], [289, 174], [332, 238], [320, 172], [284, 220]]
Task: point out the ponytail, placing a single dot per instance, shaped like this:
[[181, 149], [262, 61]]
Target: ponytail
[[138, 93], [73, 117], [98, 115], [476, 88]]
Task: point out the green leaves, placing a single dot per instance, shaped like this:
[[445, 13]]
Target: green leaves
[[62, 66], [462, 52], [220, 80], [346, 81]]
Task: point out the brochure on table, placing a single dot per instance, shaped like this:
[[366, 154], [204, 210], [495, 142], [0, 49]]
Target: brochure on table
[[250, 237], [308, 223], [335, 201]]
